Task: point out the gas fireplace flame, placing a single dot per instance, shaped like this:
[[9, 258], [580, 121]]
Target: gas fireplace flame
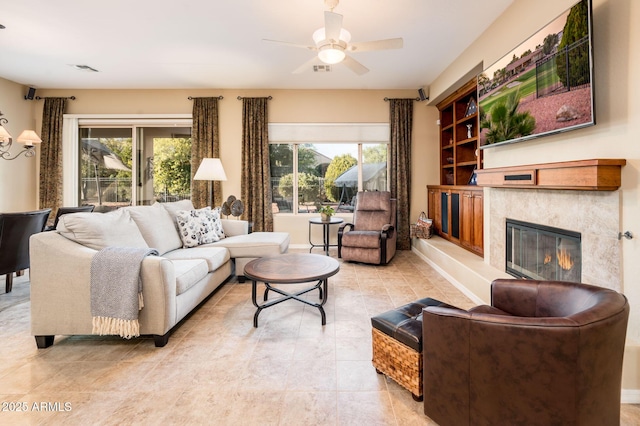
[[547, 258], [564, 259]]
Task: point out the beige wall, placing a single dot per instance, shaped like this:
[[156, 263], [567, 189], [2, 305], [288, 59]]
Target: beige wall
[[19, 177], [287, 106], [616, 135]]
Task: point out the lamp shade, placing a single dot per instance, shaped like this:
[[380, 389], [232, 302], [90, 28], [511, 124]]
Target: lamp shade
[[29, 138], [210, 169], [4, 134]]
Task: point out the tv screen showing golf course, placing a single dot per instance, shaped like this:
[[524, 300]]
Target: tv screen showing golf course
[[543, 86]]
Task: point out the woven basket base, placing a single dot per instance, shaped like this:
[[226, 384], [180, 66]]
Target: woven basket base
[[397, 361]]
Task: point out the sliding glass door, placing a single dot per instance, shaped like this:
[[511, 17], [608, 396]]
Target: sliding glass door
[[133, 164], [164, 164], [106, 167]]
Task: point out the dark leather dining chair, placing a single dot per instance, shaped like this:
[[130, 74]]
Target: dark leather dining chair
[[15, 230], [65, 210]]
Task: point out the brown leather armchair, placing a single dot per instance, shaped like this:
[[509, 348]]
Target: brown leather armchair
[[543, 353], [371, 238]]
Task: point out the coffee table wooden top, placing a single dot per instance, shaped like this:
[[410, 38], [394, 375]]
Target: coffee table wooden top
[[291, 268]]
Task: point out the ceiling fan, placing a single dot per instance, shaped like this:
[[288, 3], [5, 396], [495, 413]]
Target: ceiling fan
[[333, 42]]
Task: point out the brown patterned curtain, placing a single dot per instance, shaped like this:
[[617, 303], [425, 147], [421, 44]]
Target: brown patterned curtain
[[401, 121], [256, 173], [51, 154], [204, 144]]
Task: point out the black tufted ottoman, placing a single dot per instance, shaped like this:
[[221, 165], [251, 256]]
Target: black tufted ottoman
[[397, 344]]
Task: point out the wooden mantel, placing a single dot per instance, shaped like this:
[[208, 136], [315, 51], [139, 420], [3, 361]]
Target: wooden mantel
[[585, 175]]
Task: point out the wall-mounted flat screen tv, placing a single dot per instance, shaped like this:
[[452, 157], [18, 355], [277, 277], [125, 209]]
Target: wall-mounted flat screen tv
[[543, 86]]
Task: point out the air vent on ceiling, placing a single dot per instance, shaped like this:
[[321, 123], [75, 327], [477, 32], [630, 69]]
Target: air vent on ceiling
[[322, 68]]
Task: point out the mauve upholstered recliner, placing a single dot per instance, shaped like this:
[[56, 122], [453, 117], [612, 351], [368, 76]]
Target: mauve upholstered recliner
[[543, 353], [371, 238]]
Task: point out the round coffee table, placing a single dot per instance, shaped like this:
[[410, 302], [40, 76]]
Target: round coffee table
[[291, 268]]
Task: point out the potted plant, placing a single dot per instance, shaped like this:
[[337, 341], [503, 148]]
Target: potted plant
[[326, 212]]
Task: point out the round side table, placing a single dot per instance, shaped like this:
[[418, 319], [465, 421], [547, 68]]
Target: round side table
[[325, 232]]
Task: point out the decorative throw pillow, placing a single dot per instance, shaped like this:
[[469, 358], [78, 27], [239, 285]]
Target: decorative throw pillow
[[196, 227], [217, 223]]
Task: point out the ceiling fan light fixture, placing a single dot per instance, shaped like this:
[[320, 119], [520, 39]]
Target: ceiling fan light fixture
[[331, 54]]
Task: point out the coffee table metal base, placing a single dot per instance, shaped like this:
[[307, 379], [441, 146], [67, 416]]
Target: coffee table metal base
[[321, 286], [291, 268]]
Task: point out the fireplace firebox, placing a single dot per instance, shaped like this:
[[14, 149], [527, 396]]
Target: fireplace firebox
[[540, 252]]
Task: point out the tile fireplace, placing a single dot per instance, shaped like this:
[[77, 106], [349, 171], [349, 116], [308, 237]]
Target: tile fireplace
[[594, 214], [541, 252]]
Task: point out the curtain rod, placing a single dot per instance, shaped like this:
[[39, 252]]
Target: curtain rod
[[268, 98], [219, 97], [415, 99], [37, 98]]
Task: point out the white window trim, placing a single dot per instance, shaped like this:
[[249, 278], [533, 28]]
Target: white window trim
[[329, 132], [71, 124]]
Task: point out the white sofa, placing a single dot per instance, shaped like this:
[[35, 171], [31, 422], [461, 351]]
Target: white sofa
[[173, 283]]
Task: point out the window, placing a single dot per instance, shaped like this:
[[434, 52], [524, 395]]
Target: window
[[319, 165], [162, 162], [115, 162]]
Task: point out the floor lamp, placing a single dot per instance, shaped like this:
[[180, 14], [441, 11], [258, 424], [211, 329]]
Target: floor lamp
[[210, 169]]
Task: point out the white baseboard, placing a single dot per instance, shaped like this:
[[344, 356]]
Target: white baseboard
[[457, 284], [630, 396]]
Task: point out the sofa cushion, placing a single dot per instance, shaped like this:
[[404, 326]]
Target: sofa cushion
[[188, 273], [196, 227], [175, 206], [256, 244], [235, 227], [156, 226], [100, 230], [214, 256]]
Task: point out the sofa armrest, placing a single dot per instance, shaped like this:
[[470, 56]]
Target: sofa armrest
[[60, 274], [235, 227]]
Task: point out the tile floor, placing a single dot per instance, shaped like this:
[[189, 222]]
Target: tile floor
[[218, 369]]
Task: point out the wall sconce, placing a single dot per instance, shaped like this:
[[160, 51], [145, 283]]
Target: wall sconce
[[28, 138]]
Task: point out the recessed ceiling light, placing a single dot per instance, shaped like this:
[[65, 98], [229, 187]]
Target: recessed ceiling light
[[84, 68]]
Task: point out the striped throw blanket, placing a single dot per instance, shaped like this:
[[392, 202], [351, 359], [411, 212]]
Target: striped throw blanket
[[116, 290]]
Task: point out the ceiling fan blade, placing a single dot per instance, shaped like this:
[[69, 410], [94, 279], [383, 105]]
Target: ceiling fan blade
[[307, 65], [332, 25], [366, 46], [355, 66], [286, 43]]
